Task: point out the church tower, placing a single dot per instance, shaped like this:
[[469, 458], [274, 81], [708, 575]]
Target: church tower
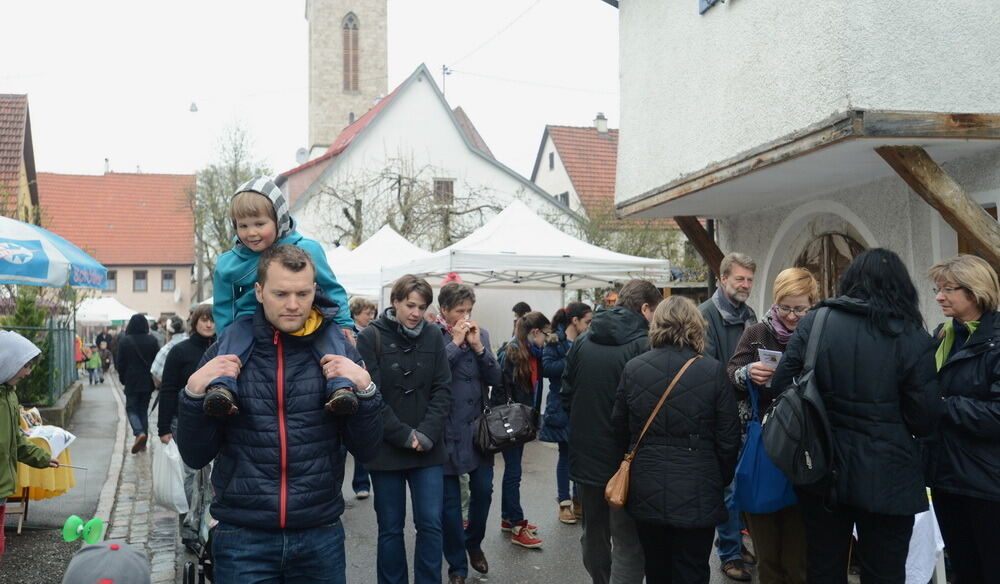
[[348, 66]]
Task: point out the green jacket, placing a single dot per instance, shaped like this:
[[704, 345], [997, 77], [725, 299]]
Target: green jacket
[[14, 447]]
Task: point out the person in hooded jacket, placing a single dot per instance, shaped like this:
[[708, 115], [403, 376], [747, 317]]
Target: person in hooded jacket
[[593, 370], [473, 368], [567, 324], [521, 369], [406, 357], [136, 352], [963, 456], [688, 454], [875, 372]]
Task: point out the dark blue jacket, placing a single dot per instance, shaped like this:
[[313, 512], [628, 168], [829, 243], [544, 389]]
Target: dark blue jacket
[[469, 372], [555, 422], [277, 463]]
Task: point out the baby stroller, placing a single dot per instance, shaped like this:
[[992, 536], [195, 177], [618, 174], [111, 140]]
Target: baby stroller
[[196, 531]]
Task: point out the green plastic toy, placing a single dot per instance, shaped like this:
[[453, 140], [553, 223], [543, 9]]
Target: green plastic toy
[[75, 528]]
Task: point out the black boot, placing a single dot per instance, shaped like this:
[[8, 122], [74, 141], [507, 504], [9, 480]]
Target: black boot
[[219, 402], [342, 402]]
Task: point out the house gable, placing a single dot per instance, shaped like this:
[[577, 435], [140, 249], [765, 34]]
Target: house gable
[[18, 188]]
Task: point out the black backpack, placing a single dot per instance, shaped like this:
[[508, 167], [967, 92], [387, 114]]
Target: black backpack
[[796, 430]]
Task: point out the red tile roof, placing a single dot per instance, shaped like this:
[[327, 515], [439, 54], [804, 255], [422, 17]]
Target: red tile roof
[[471, 132], [13, 131], [591, 160], [122, 218]]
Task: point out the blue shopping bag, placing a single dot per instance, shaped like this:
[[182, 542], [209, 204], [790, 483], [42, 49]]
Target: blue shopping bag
[[760, 487]]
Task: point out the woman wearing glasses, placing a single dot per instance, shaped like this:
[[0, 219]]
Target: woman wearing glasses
[[778, 537], [964, 454]]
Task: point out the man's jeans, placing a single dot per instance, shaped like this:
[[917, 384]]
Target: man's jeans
[[562, 474], [510, 486], [730, 541], [137, 409], [243, 555], [612, 552], [457, 541], [426, 486]]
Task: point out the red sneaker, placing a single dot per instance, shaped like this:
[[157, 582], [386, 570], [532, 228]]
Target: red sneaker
[[524, 536], [507, 526]]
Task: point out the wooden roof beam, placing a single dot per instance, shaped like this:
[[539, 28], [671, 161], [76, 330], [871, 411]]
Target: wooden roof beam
[[702, 241], [941, 192]]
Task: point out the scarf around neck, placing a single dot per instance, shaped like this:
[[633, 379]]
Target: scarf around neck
[[732, 315], [390, 314], [944, 349], [781, 332]]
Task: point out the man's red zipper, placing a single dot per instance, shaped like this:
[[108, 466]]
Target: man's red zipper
[[282, 438]]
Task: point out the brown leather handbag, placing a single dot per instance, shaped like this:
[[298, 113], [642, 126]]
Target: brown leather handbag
[[616, 491]]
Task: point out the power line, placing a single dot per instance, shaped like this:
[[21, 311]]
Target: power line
[[498, 33]]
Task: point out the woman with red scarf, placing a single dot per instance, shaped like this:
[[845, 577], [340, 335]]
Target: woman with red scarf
[[521, 367]]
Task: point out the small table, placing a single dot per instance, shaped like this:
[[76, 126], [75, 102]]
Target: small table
[[35, 484]]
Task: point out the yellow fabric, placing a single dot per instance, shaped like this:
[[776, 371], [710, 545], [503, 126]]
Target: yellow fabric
[[312, 323], [45, 483], [944, 349]]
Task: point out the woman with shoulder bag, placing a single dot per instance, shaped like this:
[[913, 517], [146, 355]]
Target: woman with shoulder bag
[[473, 367], [688, 453], [778, 537], [875, 372], [521, 369], [568, 323], [406, 358], [964, 454]]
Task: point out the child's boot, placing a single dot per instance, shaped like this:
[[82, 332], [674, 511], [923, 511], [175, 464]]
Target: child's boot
[[342, 402], [219, 402]]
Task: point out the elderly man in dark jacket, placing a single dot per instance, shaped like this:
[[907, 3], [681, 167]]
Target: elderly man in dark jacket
[[593, 370], [277, 471], [136, 352]]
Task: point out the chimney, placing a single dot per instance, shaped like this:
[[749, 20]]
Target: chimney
[[601, 123], [107, 166]]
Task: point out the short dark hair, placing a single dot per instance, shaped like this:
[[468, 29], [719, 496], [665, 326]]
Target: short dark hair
[[521, 308], [408, 284], [635, 293], [291, 257], [201, 311], [452, 294]]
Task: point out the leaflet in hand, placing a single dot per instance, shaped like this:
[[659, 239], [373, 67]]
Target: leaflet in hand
[[770, 359]]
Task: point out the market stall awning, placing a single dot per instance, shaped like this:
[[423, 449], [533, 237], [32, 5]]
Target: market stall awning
[[37, 257]]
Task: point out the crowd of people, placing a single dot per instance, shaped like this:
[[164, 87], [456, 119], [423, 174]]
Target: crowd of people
[[282, 377]]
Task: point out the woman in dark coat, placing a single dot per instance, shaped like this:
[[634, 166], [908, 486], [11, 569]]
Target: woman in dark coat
[[778, 537], [521, 368], [405, 356], [568, 323], [473, 368], [136, 352], [183, 360], [875, 372], [688, 455], [963, 462]]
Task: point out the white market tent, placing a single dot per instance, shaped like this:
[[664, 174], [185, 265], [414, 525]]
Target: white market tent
[[519, 249], [359, 271], [103, 311]]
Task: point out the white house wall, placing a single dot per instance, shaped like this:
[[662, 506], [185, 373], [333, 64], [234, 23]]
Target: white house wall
[[556, 180], [698, 89], [900, 221]]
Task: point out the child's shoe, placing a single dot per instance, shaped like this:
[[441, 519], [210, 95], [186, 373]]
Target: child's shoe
[[219, 402], [342, 402]]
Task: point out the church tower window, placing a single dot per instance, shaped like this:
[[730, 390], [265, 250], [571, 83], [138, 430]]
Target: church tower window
[[350, 37]]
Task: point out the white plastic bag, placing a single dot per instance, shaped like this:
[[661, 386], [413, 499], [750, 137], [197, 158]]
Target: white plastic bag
[[168, 477]]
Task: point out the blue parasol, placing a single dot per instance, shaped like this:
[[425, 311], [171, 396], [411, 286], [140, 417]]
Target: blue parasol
[[37, 257]]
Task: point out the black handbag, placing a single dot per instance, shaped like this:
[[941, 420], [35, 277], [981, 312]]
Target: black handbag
[[505, 426]]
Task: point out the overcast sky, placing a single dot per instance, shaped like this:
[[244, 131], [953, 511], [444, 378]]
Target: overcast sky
[[116, 79]]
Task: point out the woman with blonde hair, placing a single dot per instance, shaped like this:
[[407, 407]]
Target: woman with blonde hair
[[688, 454], [963, 462], [778, 537]]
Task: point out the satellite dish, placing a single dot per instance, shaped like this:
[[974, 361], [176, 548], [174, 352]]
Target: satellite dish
[[301, 156]]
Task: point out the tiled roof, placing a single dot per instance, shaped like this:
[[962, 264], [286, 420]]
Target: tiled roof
[[591, 160], [471, 132], [122, 218], [13, 123]]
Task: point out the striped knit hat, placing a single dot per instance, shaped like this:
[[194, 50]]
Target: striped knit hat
[[263, 185]]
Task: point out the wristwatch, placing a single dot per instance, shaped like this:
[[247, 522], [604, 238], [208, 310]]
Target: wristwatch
[[368, 392]]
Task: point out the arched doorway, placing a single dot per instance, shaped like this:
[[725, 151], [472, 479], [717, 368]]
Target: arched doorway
[[827, 256]]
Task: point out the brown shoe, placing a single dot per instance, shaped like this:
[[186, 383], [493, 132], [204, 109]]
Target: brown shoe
[[456, 579], [219, 403], [566, 512], [342, 402], [748, 557], [139, 444], [477, 560], [735, 570], [577, 508]]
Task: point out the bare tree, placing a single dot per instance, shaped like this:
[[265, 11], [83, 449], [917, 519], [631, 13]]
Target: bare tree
[[209, 201]]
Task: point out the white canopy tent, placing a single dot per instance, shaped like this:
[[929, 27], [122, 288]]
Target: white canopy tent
[[359, 271], [103, 311], [519, 249]]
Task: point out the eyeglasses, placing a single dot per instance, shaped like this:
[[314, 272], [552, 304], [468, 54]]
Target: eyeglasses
[[799, 310], [946, 289]]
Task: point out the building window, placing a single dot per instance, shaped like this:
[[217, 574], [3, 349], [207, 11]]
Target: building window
[[444, 191], [350, 118], [965, 245], [552, 160], [350, 36], [111, 284], [827, 257], [168, 282], [139, 283], [563, 198]]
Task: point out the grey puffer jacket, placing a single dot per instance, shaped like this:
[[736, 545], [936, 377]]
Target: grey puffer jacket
[[688, 455]]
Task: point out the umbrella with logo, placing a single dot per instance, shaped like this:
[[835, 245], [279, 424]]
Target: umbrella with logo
[[37, 257]]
